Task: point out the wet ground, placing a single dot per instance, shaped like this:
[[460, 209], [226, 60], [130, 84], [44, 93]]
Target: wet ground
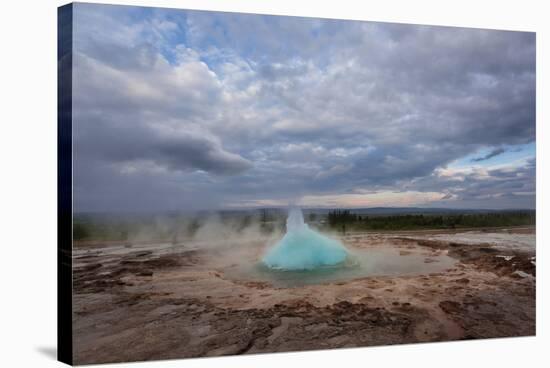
[[160, 301]]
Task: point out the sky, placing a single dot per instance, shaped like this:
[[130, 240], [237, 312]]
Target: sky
[[190, 110]]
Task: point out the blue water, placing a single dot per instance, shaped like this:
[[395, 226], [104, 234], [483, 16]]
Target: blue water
[[371, 262], [304, 249]]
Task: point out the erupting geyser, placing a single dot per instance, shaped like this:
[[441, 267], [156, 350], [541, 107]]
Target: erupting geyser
[[304, 249]]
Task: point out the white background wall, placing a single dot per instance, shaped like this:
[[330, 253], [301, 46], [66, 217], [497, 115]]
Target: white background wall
[[28, 182]]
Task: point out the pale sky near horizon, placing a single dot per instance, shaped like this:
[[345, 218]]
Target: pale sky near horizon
[[190, 110]]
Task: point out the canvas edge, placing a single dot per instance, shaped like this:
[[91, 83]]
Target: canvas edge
[[64, 183]]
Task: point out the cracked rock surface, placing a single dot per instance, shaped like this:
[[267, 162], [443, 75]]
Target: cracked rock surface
[[135, 302]]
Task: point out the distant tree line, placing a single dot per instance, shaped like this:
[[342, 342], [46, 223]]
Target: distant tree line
[[174, 228], [341, 217], [345, 219]]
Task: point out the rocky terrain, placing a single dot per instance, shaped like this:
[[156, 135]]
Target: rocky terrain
[[159, 301]]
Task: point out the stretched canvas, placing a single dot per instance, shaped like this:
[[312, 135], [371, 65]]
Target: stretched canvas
[[241, 183]]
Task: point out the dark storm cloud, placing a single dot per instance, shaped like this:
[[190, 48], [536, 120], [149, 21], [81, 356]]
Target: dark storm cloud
[[493, 153], [217, 108], [176, 151]]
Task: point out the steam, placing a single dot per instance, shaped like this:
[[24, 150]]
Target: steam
[[219, 233], [205, 231], [304, 249]]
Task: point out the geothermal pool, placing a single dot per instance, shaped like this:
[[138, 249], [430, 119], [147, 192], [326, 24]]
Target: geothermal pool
[[304, 257], [362, 263]]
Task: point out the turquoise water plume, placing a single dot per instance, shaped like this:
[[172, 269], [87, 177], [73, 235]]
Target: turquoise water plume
[[304, 249]]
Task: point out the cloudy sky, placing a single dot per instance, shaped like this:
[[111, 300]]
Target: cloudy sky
[[188, 110]]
